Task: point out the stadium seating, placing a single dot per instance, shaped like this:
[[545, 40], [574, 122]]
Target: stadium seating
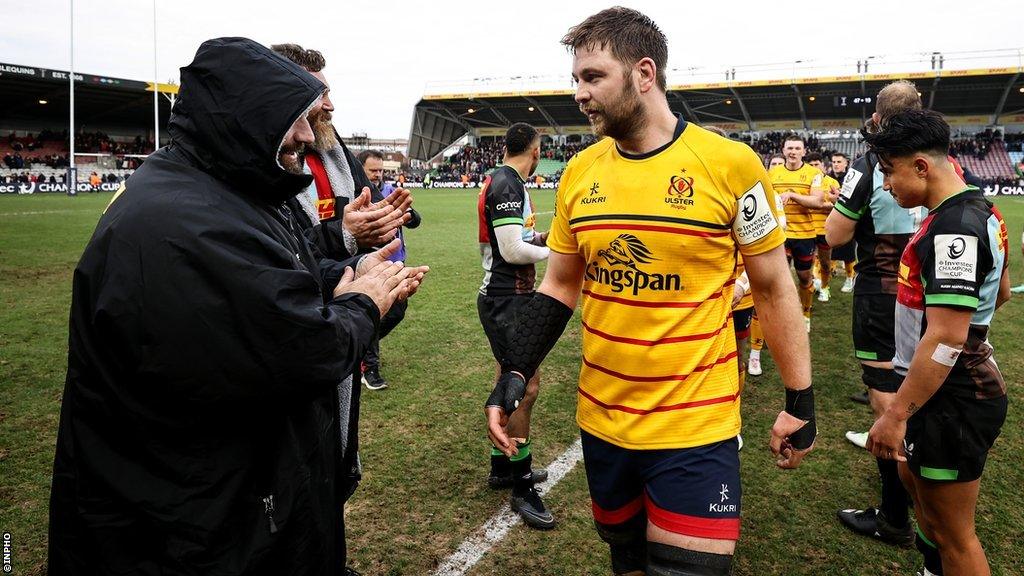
[[852, 147], [995, 164], [548, 167]]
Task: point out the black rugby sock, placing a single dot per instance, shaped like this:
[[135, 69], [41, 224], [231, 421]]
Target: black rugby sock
[[894, 496], [522, 469], [499, 463], [932, 560]]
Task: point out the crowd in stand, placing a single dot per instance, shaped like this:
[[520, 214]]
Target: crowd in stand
[[95, 178], [977, 146], [28, 177], [1014, 142], [15, 161], [471, 163], [771, 142], [22, 164], [563, 152], [98, 142], [89, 142], [1001, 181]]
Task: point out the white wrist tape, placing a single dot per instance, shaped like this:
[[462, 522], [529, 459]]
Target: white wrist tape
[[945, 355], [743, 283]]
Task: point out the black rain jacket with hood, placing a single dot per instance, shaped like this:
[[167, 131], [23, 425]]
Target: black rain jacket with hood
[[199, 426]]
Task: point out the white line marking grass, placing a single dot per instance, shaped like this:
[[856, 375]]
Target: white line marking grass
[[495, 529]]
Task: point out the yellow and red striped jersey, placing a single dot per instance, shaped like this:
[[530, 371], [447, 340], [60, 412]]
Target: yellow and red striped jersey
[[799, 220], [659, 235], [748, 298], [819, 216]]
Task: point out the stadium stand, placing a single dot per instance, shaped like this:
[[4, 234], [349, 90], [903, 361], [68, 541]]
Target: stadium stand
[[985, 154], [477, 161], [550, 167], [989, 162], [986, 105], [852, 147], [43, 157]]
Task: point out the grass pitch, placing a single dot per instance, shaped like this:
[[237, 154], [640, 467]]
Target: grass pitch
[[424, 446]]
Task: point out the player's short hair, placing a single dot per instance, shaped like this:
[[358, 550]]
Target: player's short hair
[[910, 132], [519, 138], [896, 97], [779, 155], [813, 157], [628, 34], [311, 60], [793, 137], [844, 156], [367, 154]]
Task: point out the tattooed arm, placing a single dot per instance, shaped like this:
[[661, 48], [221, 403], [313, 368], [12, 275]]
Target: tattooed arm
[[934, 358]]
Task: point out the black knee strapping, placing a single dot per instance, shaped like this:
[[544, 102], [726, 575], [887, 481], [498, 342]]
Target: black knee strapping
[[881, 379], [628, 544], [664, 560]]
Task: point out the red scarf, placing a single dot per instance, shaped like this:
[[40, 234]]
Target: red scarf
[[324, 194]]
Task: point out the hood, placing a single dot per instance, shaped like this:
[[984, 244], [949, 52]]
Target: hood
[[237, 101]]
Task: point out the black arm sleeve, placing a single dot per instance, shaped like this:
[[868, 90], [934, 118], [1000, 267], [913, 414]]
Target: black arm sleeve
[[800, 403], [539, 325]]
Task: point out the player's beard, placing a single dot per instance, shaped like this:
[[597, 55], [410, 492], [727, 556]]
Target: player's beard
[[323, 131], [533, 165], [622, 119], [291, 163]]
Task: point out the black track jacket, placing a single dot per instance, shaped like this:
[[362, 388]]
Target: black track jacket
[[198, 432]]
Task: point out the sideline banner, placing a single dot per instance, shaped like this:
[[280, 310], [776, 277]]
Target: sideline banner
[[1004, 190], [475, 184], [45, 187]]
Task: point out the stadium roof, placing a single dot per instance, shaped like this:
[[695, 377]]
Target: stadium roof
[[98, 99], [982, 96]]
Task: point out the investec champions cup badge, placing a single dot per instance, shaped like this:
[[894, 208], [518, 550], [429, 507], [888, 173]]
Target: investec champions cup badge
[[754, 219], [956, 257]]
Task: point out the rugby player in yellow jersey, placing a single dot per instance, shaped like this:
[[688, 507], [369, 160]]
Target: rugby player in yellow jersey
[[822, 274], [647, 224], [756, 334], [799, 186]]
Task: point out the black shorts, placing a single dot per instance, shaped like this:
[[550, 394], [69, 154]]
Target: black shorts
[[741, 320], [948, 439], [820, 242], [690, 491], [874, 326], [847, 252], [802, 251], [498, 317]]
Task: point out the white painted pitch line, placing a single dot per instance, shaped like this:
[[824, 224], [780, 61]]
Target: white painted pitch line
[[544, 213], [494, 530]]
